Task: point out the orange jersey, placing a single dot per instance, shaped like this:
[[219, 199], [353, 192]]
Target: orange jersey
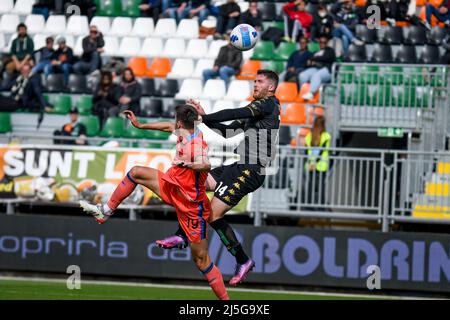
[[191, 183]]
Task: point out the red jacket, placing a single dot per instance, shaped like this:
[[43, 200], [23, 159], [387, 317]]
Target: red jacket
[[304, 17]]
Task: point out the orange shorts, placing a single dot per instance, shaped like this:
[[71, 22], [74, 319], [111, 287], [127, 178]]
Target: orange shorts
[[192, 216]]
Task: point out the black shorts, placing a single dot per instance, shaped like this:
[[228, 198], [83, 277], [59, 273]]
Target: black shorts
[[235, 181]]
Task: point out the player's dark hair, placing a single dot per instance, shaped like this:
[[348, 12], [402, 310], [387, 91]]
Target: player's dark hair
[[186, 114], [269, 74]]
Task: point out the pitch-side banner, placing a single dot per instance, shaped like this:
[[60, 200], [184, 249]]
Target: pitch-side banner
[[283, 255]]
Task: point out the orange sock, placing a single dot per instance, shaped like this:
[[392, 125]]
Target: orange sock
[[214, 277], [123, 190]]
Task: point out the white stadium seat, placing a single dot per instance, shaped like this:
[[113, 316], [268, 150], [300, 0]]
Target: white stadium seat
[[56, 25], [78, 49], [23, 7], [174, 48], [102, 23], [206, 105], [202, 64], [121, 26], [190, 89], [143, 27], [244, 5], [196, 48], [188, 29], [243, 104], [111, 46], [39, 41], [165, 28], [214, 48], [246, 55], [238, 90], [214, 89], [9, 22], [220, 105], [35, 23], [77, 26], [182, 68], [6, 6], [130, 47], [3, 46], [152, 47]]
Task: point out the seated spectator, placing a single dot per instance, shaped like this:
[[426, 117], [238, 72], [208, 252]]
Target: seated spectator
[[44, 7], [322, 23], [319, 70], [22, 50], [228, 18], [151, 9], [62, 60], [442, 13], [190, 9], [72, 129], [252, 16], [226, 65], [296, 20], [172, 8], [297, 62], [345, 21], [46, 54], [92, 48], [131, 94], [106, 97], [25, 93]]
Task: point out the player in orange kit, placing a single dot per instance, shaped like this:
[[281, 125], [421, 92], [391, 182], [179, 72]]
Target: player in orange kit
[[182, 186]]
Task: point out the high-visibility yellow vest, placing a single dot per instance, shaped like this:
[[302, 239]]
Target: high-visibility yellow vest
[[318, 156]]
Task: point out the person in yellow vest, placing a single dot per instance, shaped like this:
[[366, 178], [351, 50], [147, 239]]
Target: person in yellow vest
[[317, 142]]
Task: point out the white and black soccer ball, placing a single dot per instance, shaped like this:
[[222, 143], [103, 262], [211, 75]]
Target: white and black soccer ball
[[244, 37]]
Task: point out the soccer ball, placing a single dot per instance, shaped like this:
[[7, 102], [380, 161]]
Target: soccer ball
[[244, 37]]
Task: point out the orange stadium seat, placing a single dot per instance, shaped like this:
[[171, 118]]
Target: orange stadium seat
[[435, 3], [360, 3], [421, 3], [286, 92], [294, 114], [434, 20], [249, 69], [301, 134], [138, 65], [305, 89], [160, 67]]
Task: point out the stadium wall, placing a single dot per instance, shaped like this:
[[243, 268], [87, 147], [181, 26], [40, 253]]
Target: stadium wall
[[283, 255]]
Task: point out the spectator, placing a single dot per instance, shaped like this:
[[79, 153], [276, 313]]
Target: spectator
[[226, 65], [92, 48], [345, 21], [442, 13], [151, 8], [25, 93], [252, 16], [62, 62], [106, 96], [297, 62], [228, 18], [22, 49], [297, 20], [320, 68], [72, 129], [46, 54], [172, 8], [131, 94], [190, 9], [322, 23], [43, 7]]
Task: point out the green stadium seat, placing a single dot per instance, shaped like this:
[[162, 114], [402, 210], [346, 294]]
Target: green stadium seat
[[92, 124], [415, 76], [392, 75], [111, 8], [156, 135], [62, 104], [5, 122], [381, 95], [284, 51], [404, 96], [356, 94], [369, 74], [130, 8], [277, 66], [313, 47], [263, 50], [114, 127], [134, 133], [84, 105], [440, 76], [347, 73]]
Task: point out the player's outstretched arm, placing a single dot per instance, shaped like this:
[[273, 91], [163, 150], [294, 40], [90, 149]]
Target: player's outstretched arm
[[161, 126], [249, 111]]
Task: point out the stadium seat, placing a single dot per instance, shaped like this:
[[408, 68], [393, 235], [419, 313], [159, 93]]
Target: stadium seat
[[152, 47], [131, 132], [190, 88], [121, 27], [54, 83], [214, 89], [369, 74], [23, 7], [165, 28], [103, 24], [305, 88], [130, 46], [2, 43], [174, 48], [188, 29], [159, 67], [182, 68], [39, 41], [354, 94], [6, 6], [365, 34], [436, 35], [92, 124], [130, 8], [294, 114], [404, 96], [347, 73], [392, 75], [111, 8], [152, 109], [206, 105], [381, 95], [268, 11], [77, 84], [114, 127], [414, 76], [390, 35], [286, 92], [5, 122], [35, 23], [111, 46], [84, 104], [263, 50], [313, 47], [169, 109], [429, 55], [202, 64], [406, 54], [214, 48], [416, 35], [196, 48], [159, 135], [284, 51], [55, 25], [243, 5], [77, 26], [62, 104], [249, 70], [143, 27], [138, 65], [382, 53], [277, 66], [238, 90], [9, 22], [167, 88], [78, 48], [220, 105], [147, 86], [356, 53]]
